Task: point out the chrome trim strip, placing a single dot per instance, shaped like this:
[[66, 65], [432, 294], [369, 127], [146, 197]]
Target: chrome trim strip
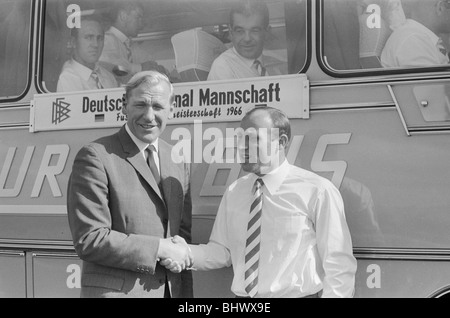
[[397, 105], [14, 126], [359, 252], [402, 254], [36, 244], [12, 253], [351, 106], [54, 255]]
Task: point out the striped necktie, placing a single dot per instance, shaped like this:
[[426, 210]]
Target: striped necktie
[[253, 241], [151, 151], [94, 75], [259, 68], [128, 47], [441, 47]]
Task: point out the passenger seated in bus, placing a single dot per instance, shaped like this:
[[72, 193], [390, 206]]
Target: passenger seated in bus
[[82, 71], [120, 55], [416, 43], [282, 228], [249, 27]]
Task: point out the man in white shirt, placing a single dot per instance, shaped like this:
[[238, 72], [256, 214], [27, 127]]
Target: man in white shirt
[[249, 27], [282, 228], [120, 55], [83, 72], [416, 43]]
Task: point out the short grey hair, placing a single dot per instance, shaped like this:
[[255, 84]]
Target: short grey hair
[[279, 119], [151, 78]]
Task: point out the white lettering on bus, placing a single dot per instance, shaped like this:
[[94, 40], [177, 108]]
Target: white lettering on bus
[[15, 191], [47, 170], [337, 167]]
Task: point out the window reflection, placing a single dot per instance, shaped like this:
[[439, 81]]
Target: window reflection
[[179, 38], [386, 34]]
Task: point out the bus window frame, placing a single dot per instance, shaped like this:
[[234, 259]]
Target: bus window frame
[[6, 101], [442, 71], [40, 49], [40, 41], [309, 42]]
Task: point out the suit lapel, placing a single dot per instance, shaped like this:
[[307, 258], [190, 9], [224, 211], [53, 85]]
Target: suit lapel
[[136, 159]]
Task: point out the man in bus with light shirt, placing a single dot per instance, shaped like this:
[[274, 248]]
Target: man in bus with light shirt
[[120, 55], [416, 43], [282, 228], [249, 29], [82, 71]]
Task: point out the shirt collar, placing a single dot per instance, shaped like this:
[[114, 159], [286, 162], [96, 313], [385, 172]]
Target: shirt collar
[[142, 146], [119, 34], [275, 178], [248, 62], [84, 71]]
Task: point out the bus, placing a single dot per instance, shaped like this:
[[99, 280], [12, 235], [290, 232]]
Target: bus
[[379, 133]]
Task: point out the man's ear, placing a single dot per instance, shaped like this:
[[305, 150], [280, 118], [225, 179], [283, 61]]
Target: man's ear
[[440, 8], [122, 16], [284, 141]]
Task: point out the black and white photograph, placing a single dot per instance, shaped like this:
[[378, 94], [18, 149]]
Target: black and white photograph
[[225, 154]]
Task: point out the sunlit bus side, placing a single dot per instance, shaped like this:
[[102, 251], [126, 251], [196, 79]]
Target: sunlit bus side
[[376, 128]]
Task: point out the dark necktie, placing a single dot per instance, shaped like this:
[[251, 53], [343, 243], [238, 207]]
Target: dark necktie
[[151, 151], [252, 244]]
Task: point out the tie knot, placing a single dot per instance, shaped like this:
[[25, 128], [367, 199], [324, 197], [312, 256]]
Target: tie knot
[[259, 183], [259, 67], [150, 150]]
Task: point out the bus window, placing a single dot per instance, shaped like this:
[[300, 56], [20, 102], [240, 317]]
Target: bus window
[[386, 35], [179, 38], [14, 47]]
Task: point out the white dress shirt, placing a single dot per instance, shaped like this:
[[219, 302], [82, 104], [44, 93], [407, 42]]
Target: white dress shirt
[[142, 146], [305, 242], [231, 65], [77, 77], [412, 45]]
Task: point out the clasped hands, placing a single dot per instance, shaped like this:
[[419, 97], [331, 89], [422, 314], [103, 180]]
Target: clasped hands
[[175, 254]]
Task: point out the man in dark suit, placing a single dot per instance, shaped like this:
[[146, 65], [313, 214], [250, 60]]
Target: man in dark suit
[[127, 197]]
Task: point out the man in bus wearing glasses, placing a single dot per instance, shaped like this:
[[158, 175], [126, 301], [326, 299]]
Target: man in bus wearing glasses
[[83, 72], [249, 28], [416, 43]]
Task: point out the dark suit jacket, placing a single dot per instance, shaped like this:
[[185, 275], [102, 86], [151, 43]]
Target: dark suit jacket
[[115, 212]]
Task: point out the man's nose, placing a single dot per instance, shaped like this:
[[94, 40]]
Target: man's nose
[[149, 114], [247, 35]]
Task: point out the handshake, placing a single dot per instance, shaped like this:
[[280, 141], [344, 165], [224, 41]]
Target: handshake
[[175, 255]]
